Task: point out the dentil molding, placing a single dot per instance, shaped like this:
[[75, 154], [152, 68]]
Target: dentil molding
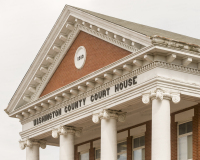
[[135, 72]]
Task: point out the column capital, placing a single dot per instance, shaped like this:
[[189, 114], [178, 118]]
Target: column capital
[[107, 114], [161, 94], [64, 130], [30, 142]]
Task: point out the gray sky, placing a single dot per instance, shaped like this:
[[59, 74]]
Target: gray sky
[[24, 25]]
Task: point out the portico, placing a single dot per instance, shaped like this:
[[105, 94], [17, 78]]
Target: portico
[[102, 91]]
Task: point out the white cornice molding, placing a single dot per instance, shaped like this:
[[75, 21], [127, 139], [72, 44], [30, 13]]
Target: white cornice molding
[[112, 27], [171, 43], [131, 93], [118, 80], [109, 67], [108, 39]]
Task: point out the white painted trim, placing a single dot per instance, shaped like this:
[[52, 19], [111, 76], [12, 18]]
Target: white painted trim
[[109, 102]]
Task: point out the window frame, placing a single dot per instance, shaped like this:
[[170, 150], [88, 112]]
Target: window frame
[[95, 153], [125, 140], [141, 147], [82, 152], [183, 135]]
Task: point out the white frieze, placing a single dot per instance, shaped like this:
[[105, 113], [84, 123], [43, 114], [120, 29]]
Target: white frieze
[[161, 94], [107, 114], [30, 142], [64, 130]]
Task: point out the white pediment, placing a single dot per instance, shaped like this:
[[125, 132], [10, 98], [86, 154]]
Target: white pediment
[[69, 24]]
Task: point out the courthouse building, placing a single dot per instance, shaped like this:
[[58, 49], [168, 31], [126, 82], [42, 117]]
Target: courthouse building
[[103, 88]]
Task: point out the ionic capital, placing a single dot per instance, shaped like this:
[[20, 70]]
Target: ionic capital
[[107, 114], [30, 142], [161, 94], [64, 130]]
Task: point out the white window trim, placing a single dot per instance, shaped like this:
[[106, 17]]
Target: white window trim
[[183, 135]]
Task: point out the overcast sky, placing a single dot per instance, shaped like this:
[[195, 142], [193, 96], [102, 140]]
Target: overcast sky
[[24, 25]]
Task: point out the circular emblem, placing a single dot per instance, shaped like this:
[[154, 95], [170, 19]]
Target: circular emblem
[[80, 57]]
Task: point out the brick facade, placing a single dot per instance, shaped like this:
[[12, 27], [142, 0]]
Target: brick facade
[[99, 55], [129, 147], [91, 152], [148, 141], [196, 133], [173, 138]]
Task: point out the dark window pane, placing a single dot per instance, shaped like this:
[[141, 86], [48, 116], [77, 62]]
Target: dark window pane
[[189, 127], [121, 147], [142, 141], [182, 128], [98, 154], [136, 143]]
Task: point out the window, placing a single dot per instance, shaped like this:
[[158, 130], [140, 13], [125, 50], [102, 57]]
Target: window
[[139, 148], [84, 156], [122, 150], [98, 154], [185, 141]]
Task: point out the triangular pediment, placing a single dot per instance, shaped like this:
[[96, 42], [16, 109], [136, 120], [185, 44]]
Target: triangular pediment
[[53, 67], [99, 54]]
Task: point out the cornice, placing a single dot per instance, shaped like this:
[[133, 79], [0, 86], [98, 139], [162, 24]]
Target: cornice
[[112, 27], [171, 43], [131, 93], [108, 39], [120, 79]]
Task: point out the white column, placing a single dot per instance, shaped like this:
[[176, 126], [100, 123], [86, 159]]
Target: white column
[[66, 140], [32, 153], [161, 146], [32, 148], [109, 120]]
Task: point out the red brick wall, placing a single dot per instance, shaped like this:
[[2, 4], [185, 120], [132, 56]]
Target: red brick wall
[[196, 133], [129, 147], [173, 138], [99, 54], [91, 152], [148, 141], [76, 153]]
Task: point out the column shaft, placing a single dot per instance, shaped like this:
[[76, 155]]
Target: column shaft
[[161, 130], [32, 153], [67, 147], [108, 139]]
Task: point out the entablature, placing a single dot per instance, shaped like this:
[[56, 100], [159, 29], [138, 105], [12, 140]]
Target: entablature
[[131, 65]]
